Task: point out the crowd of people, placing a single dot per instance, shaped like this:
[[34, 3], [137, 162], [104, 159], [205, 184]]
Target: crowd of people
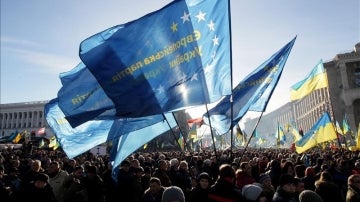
[[264, 175]]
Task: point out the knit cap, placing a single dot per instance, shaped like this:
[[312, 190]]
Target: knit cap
[[251, 192], [173, 194], [309, 196], [263, 177]]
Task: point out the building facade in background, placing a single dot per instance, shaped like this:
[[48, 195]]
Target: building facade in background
[[25, 116]]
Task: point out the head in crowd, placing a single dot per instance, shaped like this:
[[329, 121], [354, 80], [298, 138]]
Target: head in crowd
[[41, 180], [203, 180], [154, 185], [309, 196], [265, 180], [354, 181], [226, 171], [287, 183], [252, 192], [173, 194]]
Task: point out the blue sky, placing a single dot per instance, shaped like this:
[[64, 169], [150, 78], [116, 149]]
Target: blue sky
[[40, 39]]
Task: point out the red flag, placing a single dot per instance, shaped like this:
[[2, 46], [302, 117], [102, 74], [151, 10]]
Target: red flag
[[197, 121]]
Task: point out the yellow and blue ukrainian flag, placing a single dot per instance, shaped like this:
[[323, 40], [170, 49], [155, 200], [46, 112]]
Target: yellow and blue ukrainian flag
[[322, 131], [317, 79]]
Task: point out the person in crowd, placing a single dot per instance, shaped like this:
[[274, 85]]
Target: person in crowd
[[253, 193], [70, 165], [288, 168], [161, 173], [124, 180], [286, 190], [74, 188], [299, 187], [356, 169], [13, 180], [94, 185], [174, 168], [309, 178], [300, 171], [309, 196], [353, 191], [110, 185], [327, 189], [5, 190], [57, 178], [173, 194], [201, 190], [154, 192], [31, 174], [266, 185], [274, 171], [224, 188], [183, 178], [317, 166], [244, 175], [38, 190], [145, 178]]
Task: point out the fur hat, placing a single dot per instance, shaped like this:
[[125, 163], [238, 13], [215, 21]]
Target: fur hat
[[309, 196], [251, 192], [173, 193], [264, 177]]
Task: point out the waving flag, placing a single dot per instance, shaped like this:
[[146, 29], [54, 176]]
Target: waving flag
[[81, 98], [315, 80], [82, 138], [295, 132], [130, 142], [75, 141], [251, 94], [322, 131], [280, 135], [165, 61]]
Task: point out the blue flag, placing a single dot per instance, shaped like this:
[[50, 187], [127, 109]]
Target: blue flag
[[251, 94], [81, 98], [75, 141], [82, 138], [130, 142], [171, 59]]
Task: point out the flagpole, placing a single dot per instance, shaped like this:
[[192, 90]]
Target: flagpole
[[172, 132], [211, 131], [252, 134], [231, 83]]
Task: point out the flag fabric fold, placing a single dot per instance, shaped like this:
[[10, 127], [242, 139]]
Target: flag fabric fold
[[75, 141], [251, 94], [130, 142], [186, 42], [82, 138], [81, 98], [315, 80], [322, 131]]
